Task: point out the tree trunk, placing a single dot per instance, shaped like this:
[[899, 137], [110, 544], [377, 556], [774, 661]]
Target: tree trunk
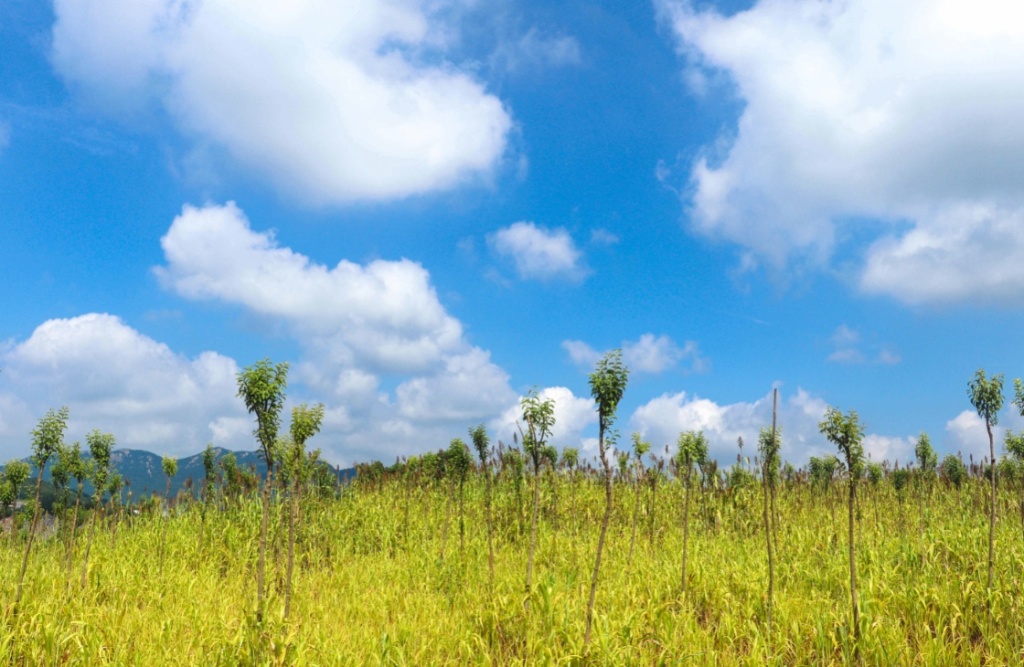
[[261, 562], [28, 545], [853, 576], [71, 543], [686, 525], [992, 509], [88, 543], [636, 518], [601, 537], [291, 546], [533, 536]]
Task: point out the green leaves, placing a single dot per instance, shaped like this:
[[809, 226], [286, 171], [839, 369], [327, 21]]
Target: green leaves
[[692, 449], [261, 386], [48, 436], [539, 417], [769, 448], [170, 466], [986, 396], [607, 385], [100, 446], [481, 442], [846, 433], [926, 457]]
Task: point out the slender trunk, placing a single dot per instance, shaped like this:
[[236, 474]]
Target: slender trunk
[[291, 546], [88, 543], [992, 509], [601, 537], [28, 545], [490, 528], [447, 520], [262, 560], [533, 536], [462, 523], [71, 542], [636, 518], [853, 577], [768, 484], [686, 525]]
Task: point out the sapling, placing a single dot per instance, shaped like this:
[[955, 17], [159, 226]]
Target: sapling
[[100, 446], [459, 462], [481, 443], [986, 396], [769, 445], [15, 474], [78, 469], [550, 456], [607, 385], [927, 460], [306, 422], [262, 386], [640, 447], [1015, 443], [692, 450], [47, 439], [846, 433], [571, 460], [539, 418]]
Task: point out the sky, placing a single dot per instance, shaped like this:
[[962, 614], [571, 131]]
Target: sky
[[430, 207]]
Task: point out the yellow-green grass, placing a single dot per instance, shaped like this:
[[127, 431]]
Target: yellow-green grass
[[370, 589]]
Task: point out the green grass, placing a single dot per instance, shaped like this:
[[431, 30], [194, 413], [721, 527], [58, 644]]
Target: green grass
[[370, 590]]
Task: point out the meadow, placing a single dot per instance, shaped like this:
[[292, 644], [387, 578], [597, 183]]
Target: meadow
[[394, 569]]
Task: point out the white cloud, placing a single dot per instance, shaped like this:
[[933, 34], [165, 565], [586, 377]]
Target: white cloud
[[538, 50], [648, 354], [357, 325], [885, 448], [118, 380], [849, 349], [966, 433], [573, 415], [900, 112], [539, 253], [328, 100], [384, 315], [662, 419]]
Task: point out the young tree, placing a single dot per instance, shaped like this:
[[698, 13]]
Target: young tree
[[927, 461], [262, 386], [986, 396], [482, 443], [72, 460], [100, 446], [692, 450], [539, 418], [640, 448], [607, 385], [306, 422], [769, 445], [47, 439], [571, 461], [846, 433], [15, 474], [170, 468]]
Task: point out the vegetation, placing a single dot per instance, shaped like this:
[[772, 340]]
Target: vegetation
[[360, 581]]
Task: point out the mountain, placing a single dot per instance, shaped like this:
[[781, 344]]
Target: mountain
[[143, 470]]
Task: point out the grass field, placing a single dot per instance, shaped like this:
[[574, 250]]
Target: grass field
[[383, 577]]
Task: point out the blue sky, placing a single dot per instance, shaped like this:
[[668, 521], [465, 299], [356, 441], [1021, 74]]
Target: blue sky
[[428, 208]]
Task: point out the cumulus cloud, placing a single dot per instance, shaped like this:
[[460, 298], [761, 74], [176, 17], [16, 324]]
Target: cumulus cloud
[[118, 380], [648, 354], [384, 315], [328, 101], [573, 415], [539, 253], [904, 114], [662, 419], [357, 325]]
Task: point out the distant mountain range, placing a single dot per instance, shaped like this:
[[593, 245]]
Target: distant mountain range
[[144, 470]]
